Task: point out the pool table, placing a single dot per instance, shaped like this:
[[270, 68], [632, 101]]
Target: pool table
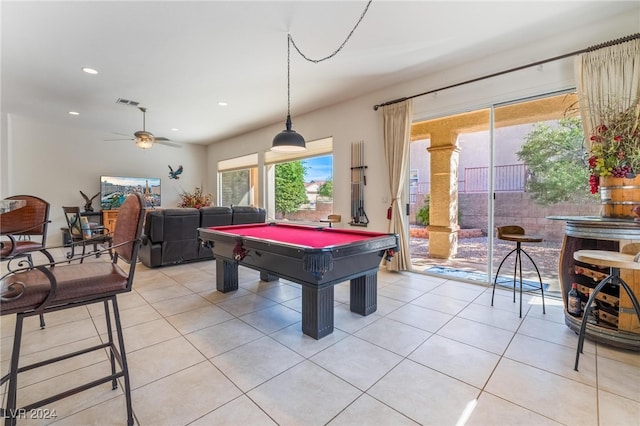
[[315, 257]]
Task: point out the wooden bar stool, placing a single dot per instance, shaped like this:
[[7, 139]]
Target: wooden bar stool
[[614, 261], [332, 218], [517, 234], [43, 288]]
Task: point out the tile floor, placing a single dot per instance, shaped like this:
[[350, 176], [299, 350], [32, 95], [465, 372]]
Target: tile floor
[[434, 353]]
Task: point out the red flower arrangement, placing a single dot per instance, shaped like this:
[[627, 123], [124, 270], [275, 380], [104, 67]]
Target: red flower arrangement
[[615, 145], [196, 199]]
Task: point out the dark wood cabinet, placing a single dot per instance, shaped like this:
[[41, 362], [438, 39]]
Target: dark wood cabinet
[[109, 219]]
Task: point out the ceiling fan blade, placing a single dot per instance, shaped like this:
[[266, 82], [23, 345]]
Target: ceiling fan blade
[[167, 142], [111, 140]]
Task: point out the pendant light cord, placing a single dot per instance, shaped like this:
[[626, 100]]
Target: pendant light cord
[[289, 75], [290, 42], [288, 140], [335, 52]]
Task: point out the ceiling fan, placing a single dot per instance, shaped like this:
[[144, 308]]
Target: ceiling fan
[[144, 139]]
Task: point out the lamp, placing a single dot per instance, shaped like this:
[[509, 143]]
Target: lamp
[[288, 140]]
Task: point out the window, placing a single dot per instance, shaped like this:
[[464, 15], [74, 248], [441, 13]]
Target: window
[[237, 181], [300, 185], [413, 177]]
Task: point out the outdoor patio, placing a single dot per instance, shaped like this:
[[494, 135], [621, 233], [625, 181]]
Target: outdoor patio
[[471, 260]]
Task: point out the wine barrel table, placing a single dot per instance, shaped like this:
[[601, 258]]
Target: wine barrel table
[[617, 323]]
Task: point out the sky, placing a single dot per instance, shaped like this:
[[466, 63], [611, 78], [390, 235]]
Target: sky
[[130, 181], [319, 168]]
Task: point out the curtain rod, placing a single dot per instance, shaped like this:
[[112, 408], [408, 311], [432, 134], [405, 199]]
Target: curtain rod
[[521, 67]]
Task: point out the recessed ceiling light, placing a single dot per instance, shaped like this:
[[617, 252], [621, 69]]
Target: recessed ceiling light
[[221, 103], [74, 113], [89, 70], [174, 129]]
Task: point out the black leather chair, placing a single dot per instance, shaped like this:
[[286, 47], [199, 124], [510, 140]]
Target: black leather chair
[[67, 284]]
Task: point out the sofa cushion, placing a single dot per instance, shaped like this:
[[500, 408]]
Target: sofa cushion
[[178, 251], [215, 216], [181, 224], [246, 214]]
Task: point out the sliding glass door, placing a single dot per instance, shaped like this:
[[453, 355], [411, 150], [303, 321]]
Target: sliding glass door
[[518, 164]]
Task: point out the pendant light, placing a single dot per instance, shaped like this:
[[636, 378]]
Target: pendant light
[[288, 140]]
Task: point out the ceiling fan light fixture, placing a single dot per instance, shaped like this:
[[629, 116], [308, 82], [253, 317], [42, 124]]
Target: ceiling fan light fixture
[[143, 143], [144, 140]]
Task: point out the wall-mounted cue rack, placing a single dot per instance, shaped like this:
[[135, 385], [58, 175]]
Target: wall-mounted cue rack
[[358, 182]]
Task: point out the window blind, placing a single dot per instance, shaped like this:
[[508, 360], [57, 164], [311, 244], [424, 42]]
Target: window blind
[[238, 163]]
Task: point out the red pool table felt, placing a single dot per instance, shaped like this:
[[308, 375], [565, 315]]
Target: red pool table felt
[[300, 235]]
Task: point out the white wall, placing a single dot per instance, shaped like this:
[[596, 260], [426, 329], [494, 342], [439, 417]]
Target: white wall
[[356, 120], [55, 162]]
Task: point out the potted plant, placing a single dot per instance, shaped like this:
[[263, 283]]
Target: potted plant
[[615, 145]]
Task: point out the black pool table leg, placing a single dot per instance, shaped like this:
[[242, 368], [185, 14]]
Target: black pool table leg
[[363, 294], [265, 276], [317, 311], [226, 276]]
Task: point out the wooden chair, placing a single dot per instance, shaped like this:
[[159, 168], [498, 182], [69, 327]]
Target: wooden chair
[[25, 230], [67, 284], [83, 235], [629, 258]]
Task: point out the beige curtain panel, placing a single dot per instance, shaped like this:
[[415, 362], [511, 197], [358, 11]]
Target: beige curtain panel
[[605, 77], [397, 132]]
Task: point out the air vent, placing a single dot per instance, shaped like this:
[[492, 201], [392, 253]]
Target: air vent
[[126, 102]]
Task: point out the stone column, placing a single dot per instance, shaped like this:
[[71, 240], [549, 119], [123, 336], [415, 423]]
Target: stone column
[[443, 206]]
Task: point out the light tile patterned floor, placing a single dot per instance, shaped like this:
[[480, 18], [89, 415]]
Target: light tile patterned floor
[[434, 353]]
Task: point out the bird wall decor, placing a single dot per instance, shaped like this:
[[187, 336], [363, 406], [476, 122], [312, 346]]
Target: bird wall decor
[[88, 201], [176, 174]]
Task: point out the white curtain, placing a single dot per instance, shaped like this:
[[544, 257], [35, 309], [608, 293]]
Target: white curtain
[[397, 131], [607, 76]]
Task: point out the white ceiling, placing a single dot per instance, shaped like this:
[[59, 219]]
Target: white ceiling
[[178, 59]]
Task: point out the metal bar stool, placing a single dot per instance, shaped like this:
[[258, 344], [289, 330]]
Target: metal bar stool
[[614, 261], [517, 234]]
